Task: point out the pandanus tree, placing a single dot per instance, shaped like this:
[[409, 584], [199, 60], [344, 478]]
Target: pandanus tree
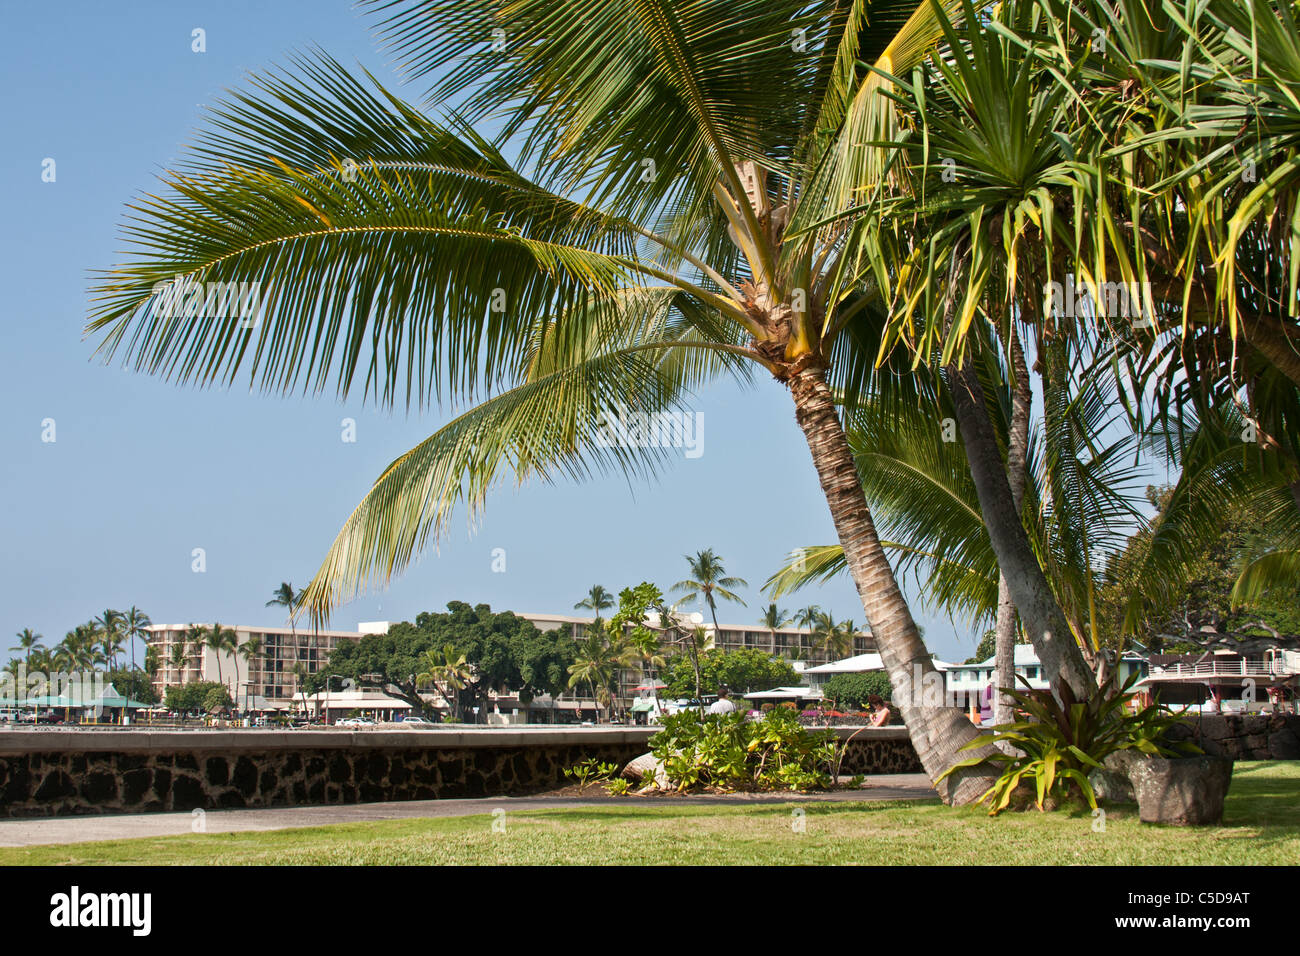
[[660, 225]]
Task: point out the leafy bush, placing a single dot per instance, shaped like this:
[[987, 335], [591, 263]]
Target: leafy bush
[[732, 752], [1059, 744]]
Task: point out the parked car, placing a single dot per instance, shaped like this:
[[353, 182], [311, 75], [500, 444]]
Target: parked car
[[354, 722], [416, 722]]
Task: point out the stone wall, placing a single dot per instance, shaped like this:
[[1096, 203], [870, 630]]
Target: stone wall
[[1253, 737], [64, 772]]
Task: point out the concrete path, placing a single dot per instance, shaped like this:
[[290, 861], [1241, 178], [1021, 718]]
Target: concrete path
[[31, 832]]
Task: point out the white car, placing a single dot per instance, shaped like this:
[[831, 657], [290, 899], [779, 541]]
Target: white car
[[416, 722], [355, 722]]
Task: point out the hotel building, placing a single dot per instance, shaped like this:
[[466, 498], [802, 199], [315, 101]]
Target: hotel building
[[271, 675]]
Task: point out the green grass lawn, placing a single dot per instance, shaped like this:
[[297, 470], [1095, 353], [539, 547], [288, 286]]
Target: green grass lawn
[[1261, 826]]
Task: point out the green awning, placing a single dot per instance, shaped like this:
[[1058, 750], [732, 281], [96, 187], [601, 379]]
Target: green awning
[[643, 705]]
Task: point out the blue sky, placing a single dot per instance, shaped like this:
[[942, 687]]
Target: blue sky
[[142, 472]]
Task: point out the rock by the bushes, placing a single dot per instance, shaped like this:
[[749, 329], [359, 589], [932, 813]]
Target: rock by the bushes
[[647, 770], [1111, 784]]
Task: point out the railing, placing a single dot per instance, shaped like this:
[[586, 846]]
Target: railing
[[1240, 668]]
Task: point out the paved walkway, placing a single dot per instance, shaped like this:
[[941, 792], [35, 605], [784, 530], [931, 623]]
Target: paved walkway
[[83, 829]]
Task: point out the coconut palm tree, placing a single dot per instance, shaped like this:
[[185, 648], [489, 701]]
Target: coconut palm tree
[[109, 627], [135, 624], [178, 658], [774, 618], [299, 671], [152, 661], [650, 236], [597, 600], [596, 663], [251, 651], [709, 581], [221, 641], [28, 641], [448, 672], [286, 597]]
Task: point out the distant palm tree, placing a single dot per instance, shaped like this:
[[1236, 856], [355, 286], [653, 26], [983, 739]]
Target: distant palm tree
[[109, 626], [595, 664], [597, 599], [774, 618], [299, 671], [135, 624], [217, 638], [709, 580], [286, 597], [63, 657], [448, 672], [178, 658], [28, 642], [152, 661], [251, 651]]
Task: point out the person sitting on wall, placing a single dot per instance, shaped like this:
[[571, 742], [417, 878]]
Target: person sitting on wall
[[880, 712]]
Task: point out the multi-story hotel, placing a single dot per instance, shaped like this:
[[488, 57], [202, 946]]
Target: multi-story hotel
[[272, 674]]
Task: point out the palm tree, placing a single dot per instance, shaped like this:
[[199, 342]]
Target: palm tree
[[109, 626], [448, 672], [251, 651], [596, 664], [28, 642], [774, 618], [178, 658], [463, 270], [286, 597], [597, 600], [221, 641], [299, 671], [152, 661], [135, 624], [709, 580]]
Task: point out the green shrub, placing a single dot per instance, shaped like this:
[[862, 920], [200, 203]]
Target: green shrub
[[732, 752], [853, 690], [1059, 744]]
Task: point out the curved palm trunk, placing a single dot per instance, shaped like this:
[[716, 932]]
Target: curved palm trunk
[[937, 732], [1040, 612], [1017, 449], [1269, 336]]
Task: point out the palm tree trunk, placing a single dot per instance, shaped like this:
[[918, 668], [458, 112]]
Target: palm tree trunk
[[1039, 610], [1268, 335], [937, 732], [1017, 449]]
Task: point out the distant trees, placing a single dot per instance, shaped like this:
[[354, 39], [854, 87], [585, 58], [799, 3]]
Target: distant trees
[[502, 650], [854, 690], [743, 671], [200, 696]]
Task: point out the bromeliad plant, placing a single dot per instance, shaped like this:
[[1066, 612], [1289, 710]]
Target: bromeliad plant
[[1058, 744], [732, 752]]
